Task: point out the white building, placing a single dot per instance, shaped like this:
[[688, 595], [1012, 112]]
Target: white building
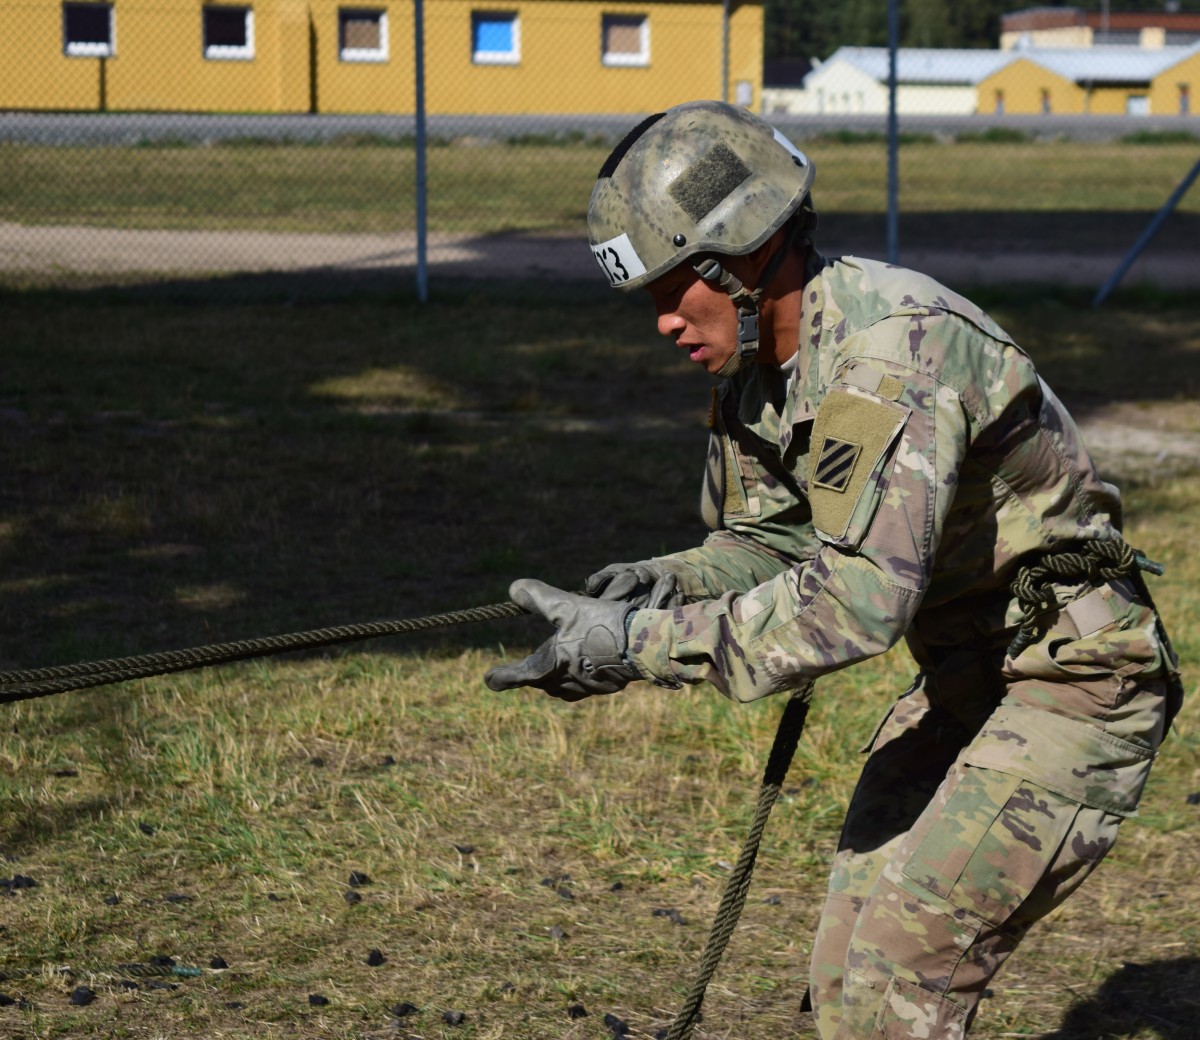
[[854, 81]]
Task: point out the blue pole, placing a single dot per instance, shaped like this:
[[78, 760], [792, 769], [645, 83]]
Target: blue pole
[[725, 51], [1144, 240], [422, 185], [893, 171]]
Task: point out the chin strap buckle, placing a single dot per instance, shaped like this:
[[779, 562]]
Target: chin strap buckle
[[748, 332]]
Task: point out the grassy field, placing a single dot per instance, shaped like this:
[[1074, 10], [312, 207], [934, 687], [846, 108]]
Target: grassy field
[[487, 188], [178, 472]]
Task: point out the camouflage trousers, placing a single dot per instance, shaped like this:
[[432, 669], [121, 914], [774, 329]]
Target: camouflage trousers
[[944, 865]]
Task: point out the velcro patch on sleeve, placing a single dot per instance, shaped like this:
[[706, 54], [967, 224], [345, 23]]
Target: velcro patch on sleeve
[[851, 435]]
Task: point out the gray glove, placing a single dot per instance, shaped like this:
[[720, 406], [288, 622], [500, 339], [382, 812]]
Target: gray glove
[[586, 656], [648, 585]]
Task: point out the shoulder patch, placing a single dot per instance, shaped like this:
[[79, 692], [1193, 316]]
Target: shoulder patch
[[851, 437], [835, 463]]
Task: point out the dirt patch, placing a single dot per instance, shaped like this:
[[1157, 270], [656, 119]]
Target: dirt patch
[[959, 260], [1138, 439]]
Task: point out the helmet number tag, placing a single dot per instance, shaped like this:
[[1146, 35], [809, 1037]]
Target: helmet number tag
[[619, 260]]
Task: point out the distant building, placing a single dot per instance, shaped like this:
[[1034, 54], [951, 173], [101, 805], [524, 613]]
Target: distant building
[[1060, 27], [854, 81], [1094, 81], [1023, 81], [481, 56]]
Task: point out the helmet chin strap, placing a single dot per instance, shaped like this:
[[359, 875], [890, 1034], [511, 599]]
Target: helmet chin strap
[[745, 300]]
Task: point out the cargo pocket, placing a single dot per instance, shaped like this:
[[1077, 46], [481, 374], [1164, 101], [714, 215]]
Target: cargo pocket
[[909, 1012], [1074, 759], [991, 843]]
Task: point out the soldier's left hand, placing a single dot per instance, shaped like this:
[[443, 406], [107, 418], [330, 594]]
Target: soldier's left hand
[[585, 657]]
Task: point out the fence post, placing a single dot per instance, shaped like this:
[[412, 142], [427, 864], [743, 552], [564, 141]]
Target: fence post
[[893, 172], [1144, 238], [422, 209], [725, 51]]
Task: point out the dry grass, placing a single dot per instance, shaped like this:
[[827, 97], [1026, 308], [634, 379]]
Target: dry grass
[[542, 188], [177, 471]]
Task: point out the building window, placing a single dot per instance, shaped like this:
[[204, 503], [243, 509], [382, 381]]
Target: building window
[[1137, 105], [1185, 99], [1117, 38], [228, 33], [625, 39], [88, 30], [362, 34], [1045, 102], [743, 93], [495, 37]]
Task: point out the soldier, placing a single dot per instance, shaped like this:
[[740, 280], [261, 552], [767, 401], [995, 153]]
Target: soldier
[[884, 463]]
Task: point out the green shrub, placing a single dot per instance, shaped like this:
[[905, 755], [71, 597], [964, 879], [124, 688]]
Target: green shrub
[[993, 135], [1160, 137]]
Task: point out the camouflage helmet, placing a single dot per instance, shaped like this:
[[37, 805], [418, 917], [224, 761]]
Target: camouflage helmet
[[701, 178]]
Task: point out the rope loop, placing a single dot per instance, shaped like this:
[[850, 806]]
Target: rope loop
[[1096, 563]]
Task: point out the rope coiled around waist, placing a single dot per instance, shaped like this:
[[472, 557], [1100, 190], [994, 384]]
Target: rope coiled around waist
[[1095, 562]]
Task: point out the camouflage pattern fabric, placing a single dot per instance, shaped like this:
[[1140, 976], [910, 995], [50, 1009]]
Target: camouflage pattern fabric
[[887, 487]]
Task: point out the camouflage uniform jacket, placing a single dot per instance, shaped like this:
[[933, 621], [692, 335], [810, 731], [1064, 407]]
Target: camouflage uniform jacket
[[887, 487]]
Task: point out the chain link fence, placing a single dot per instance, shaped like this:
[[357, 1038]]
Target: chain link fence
[[152, 139]]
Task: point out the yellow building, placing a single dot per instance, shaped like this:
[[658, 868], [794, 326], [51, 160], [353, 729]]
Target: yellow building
[[1101, 82], [481, 57]]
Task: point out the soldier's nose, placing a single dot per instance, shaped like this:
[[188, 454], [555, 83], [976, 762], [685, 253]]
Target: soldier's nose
[[670, 324]]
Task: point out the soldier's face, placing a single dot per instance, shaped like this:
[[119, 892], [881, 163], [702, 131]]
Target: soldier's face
[[698, 315]]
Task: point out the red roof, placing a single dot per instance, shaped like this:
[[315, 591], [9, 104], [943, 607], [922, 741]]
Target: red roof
[[1034, 18]]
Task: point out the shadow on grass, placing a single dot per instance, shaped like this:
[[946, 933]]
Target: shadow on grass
[[199, 461], [37, 824], [1156, 999], [195, 462], [992, 232]]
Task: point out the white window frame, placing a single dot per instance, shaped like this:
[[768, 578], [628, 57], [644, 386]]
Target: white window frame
[[640, 58], [509, 57], [80, 49], [376, 54], [223, 52]]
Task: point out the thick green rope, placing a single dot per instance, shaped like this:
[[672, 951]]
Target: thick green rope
[[41, 682], [791, 725], [1097, 562]]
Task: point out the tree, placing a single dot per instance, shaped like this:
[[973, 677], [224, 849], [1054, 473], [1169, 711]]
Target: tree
[[804, 29]]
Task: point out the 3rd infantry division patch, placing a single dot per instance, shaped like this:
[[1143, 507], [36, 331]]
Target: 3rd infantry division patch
[[835, 463]]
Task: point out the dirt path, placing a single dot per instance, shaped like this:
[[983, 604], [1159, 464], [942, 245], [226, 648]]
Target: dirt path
[[87, 250], [1136, 440]]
